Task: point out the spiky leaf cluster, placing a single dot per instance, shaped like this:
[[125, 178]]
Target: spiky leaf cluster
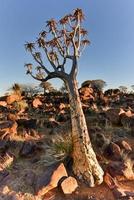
[[61, 40]]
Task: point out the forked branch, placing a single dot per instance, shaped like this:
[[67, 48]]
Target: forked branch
[[61, 41]]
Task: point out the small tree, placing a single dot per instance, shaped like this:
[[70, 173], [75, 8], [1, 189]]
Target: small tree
[[65, 40], [30, 90], [47, 86], [123, 89]]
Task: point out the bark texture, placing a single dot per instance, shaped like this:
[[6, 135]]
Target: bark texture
[[85, 164]]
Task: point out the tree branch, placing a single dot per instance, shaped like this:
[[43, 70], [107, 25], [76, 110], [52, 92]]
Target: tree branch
[[61, 50], [49, 59], [51, 75], [77, 27], [74, 67], [40, 63], [62, 65]]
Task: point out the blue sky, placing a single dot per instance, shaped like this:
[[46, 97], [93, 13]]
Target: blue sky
[[110, 24]]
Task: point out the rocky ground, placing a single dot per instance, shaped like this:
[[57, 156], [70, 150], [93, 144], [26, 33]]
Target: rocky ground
[[35, 146]]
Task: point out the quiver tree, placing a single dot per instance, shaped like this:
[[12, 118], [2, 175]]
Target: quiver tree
[[62, 41]]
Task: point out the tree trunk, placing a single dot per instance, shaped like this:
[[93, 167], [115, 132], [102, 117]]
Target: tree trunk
[[85, 164]]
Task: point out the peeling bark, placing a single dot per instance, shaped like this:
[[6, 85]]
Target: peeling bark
[[85, 164]]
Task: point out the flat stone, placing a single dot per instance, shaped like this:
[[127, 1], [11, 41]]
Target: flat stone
[[69, 185]]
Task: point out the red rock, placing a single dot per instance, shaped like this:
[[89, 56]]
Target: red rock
[[8, 128], [36, 103], [3, 103], [128, 172], [12, 98], [69, 185], [4, 190], [119, 191], [50, 179], [86, 93], [113, 151], [62, 106], [124, 145], [109, 180]]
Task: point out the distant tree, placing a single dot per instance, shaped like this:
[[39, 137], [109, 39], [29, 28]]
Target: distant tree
[[111, 92], [47, 87], [62, 41], [123, 89], [30, 89], [87, 83], [25, 89], [98, 84]]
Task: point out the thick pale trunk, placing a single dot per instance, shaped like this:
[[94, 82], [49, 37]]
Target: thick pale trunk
[[85, 164]]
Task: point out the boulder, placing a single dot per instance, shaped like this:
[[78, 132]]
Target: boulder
[[116, 168], [62, 106], [8, 128], [12, 117], [36, 103], [124, 145], [112, 151], [69, 185], [3, 103], [50, 179], [4, 190], [12, 98], [122, 170], [86, 93]]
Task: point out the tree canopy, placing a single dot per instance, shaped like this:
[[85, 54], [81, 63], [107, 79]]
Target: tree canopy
[[61, 41]]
